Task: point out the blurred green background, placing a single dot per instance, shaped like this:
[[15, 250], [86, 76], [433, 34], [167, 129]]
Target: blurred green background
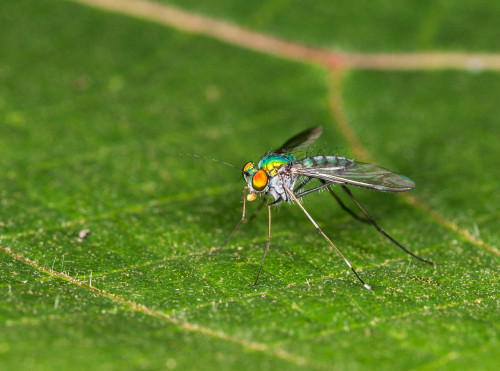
[[95, 108]]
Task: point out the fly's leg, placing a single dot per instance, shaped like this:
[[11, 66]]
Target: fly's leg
[[326, 237], [301, 185], [237, 225], [257, 211], [343, 206], [372, 221], [304, 193], [267, 244], [327, 186]]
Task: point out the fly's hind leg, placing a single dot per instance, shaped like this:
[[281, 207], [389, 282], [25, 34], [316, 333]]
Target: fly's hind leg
[[343, 206], [327, 185], [372, 221]]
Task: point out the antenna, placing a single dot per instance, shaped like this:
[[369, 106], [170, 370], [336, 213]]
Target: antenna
[[211, 159]]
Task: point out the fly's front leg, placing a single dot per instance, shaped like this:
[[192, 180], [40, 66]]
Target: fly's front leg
[[267, 244], [257, 211], [237, 225]]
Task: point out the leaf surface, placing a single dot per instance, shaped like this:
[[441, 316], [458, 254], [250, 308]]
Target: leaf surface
[[95, 109]]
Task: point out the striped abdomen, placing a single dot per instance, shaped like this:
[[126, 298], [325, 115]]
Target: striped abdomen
[[330, 162]]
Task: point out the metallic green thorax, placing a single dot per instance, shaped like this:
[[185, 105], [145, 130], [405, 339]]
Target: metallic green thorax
[[272, 162]]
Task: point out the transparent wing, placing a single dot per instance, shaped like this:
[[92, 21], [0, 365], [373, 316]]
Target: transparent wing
[[359, 174], [301, 140]]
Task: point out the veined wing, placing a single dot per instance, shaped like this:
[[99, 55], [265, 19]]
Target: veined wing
[[301, 140], [344, 171]]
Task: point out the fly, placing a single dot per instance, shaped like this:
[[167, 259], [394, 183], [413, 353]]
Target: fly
[[281, 177]]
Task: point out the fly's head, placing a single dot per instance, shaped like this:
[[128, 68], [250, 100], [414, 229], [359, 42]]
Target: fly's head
[[256, 179]]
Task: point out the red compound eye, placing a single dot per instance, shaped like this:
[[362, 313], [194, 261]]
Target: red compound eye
[[248, 165], [259, 180], [247, 169]]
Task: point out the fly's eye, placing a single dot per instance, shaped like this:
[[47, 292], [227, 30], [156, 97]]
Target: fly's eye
[[248, 166], [259, 180], [247, 169]]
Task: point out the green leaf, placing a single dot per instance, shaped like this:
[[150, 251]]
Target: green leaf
[[365, 25], [95, 108]]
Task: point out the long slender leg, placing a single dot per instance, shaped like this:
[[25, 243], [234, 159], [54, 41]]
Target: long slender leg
[[301, 185], [267, 244], [348, 191], [304, 193], [237, 225], [257, 211], [326, 237], [343, 206], [327, 186]]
